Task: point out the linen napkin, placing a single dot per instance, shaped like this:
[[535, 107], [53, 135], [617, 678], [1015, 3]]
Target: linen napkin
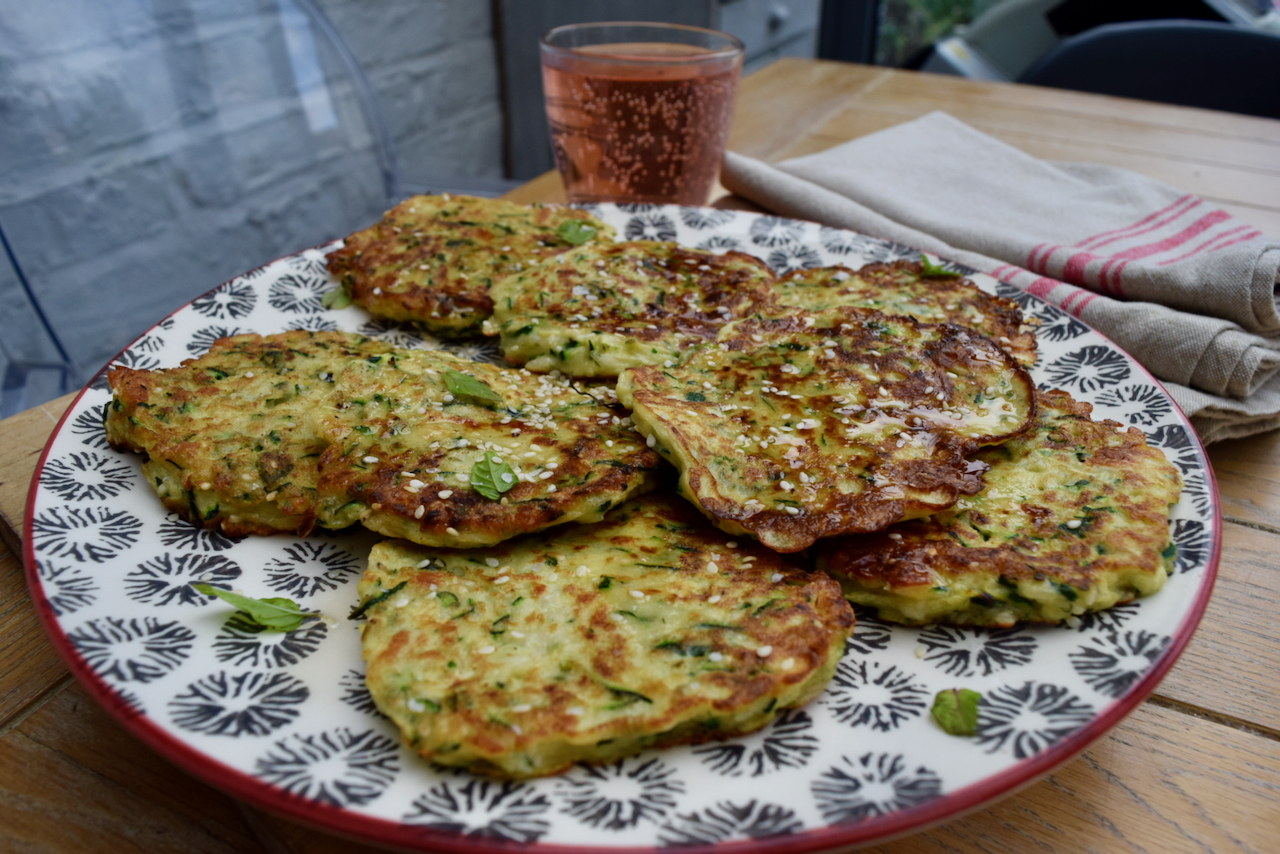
[[1184, 287]]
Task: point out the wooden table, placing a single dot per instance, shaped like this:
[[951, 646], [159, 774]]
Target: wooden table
[[1195, 768]]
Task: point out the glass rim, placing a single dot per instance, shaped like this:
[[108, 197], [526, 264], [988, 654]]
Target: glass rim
[[733, 46]]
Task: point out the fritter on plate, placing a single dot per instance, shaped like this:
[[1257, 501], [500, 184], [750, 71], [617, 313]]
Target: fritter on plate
[[903, 288], [594, 311], [448, 452], [432, 258], [225, 434], [1074, 518], [592, 642], [847, 420]]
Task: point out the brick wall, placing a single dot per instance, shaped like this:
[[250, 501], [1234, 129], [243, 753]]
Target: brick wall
[[150, 150]]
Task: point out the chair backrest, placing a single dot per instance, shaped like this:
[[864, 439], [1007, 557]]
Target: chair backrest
[[152, 151], [1191, 63]]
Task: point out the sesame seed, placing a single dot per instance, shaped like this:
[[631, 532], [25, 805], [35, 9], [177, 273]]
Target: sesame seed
[[787, 663], [576, 711], [502, 579], [487, 650], [1074, 523], [776, 577], [582, 570], [370, 459], [516, 634], [733, 544], [792, 511], [453, 532], [206, 485], [714, 599], [551, 488], [445, 493], [248, 374], [491, 561], [715, 656], [523, 707], [895, 536], [636, 594], [764, 651], [712, 566], [651, 441]]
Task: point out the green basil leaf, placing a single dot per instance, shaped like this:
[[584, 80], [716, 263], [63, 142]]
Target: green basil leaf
[[467, 387], [956, 711], [336, 298], [932, 269], [576, 231], [491, 476], [282, 615]]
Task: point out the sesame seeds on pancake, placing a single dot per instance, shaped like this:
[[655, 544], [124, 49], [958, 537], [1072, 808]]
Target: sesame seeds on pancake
[[597, 310], [431, 259], [847, 420], [1074, 518], [588, 643], [406, 440], [904, 288]]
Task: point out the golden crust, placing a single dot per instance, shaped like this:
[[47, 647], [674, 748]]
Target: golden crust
[[431, 259], [225, 434], [847, 420], [901, 288], [605, 307], [1074, 518], [403, 448], [591, 643]]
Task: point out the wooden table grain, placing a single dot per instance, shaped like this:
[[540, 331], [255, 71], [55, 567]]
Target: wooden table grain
[[1196, 768]]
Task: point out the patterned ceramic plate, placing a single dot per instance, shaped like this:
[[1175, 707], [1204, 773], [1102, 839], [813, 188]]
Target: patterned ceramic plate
[[284, 720]]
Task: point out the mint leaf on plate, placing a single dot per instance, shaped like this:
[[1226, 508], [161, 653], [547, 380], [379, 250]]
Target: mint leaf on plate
[[491, 476], [281, 615], [956, 711], [336, 298], [932, 269]]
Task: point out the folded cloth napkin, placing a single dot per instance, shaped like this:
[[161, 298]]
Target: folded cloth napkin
[[1184, 287]]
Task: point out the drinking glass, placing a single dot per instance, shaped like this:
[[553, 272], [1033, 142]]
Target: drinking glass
[[639, 112]]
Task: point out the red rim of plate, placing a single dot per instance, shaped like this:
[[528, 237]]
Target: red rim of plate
[[341, 821]]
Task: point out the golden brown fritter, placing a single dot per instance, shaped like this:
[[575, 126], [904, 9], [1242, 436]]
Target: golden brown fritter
[[841, 421], [592, 642], [903, 288], [432, 259], [407, 438], [600, 309], [1074, 518], [225, 434]]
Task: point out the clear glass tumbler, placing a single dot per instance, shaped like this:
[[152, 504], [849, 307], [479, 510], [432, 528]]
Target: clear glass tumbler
[[639, 112]]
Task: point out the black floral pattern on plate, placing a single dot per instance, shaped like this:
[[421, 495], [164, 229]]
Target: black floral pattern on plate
[[244, 643], [86, 476], [483, 809], [132, 650], [88, 426], [871, 785], [66, 588], [84, 534], [773, 231], [634, 207], [176, 533], [870, 633], [166, 578], [476, 349], [788, 742], [355, 693], [1089, 369], [398, 335], [718, 243], [202, 340], [313, 323], [152, 342], [652, 226], [1029, 718], [790, 258], [1191, 536], [1195, 489], [304, 568], [1152, 405], [238, 704], [1177, 442], [728, 820], [977, 652], [1112, 664], [130, 358], [838, 241], [621, 795], [338, 767], [232, 301], [1105, 621], [1057, 326], [866, 693], [700, 219], [298, 294]]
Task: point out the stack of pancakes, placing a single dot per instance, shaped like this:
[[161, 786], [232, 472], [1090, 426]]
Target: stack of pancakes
[[650, 532]]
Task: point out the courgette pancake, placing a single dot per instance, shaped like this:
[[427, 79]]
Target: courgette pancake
[[225, 435], [847, 420], [600, 309], [447, 452], [1074, 518], [905, 288], [593, 642], [432, 259]]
